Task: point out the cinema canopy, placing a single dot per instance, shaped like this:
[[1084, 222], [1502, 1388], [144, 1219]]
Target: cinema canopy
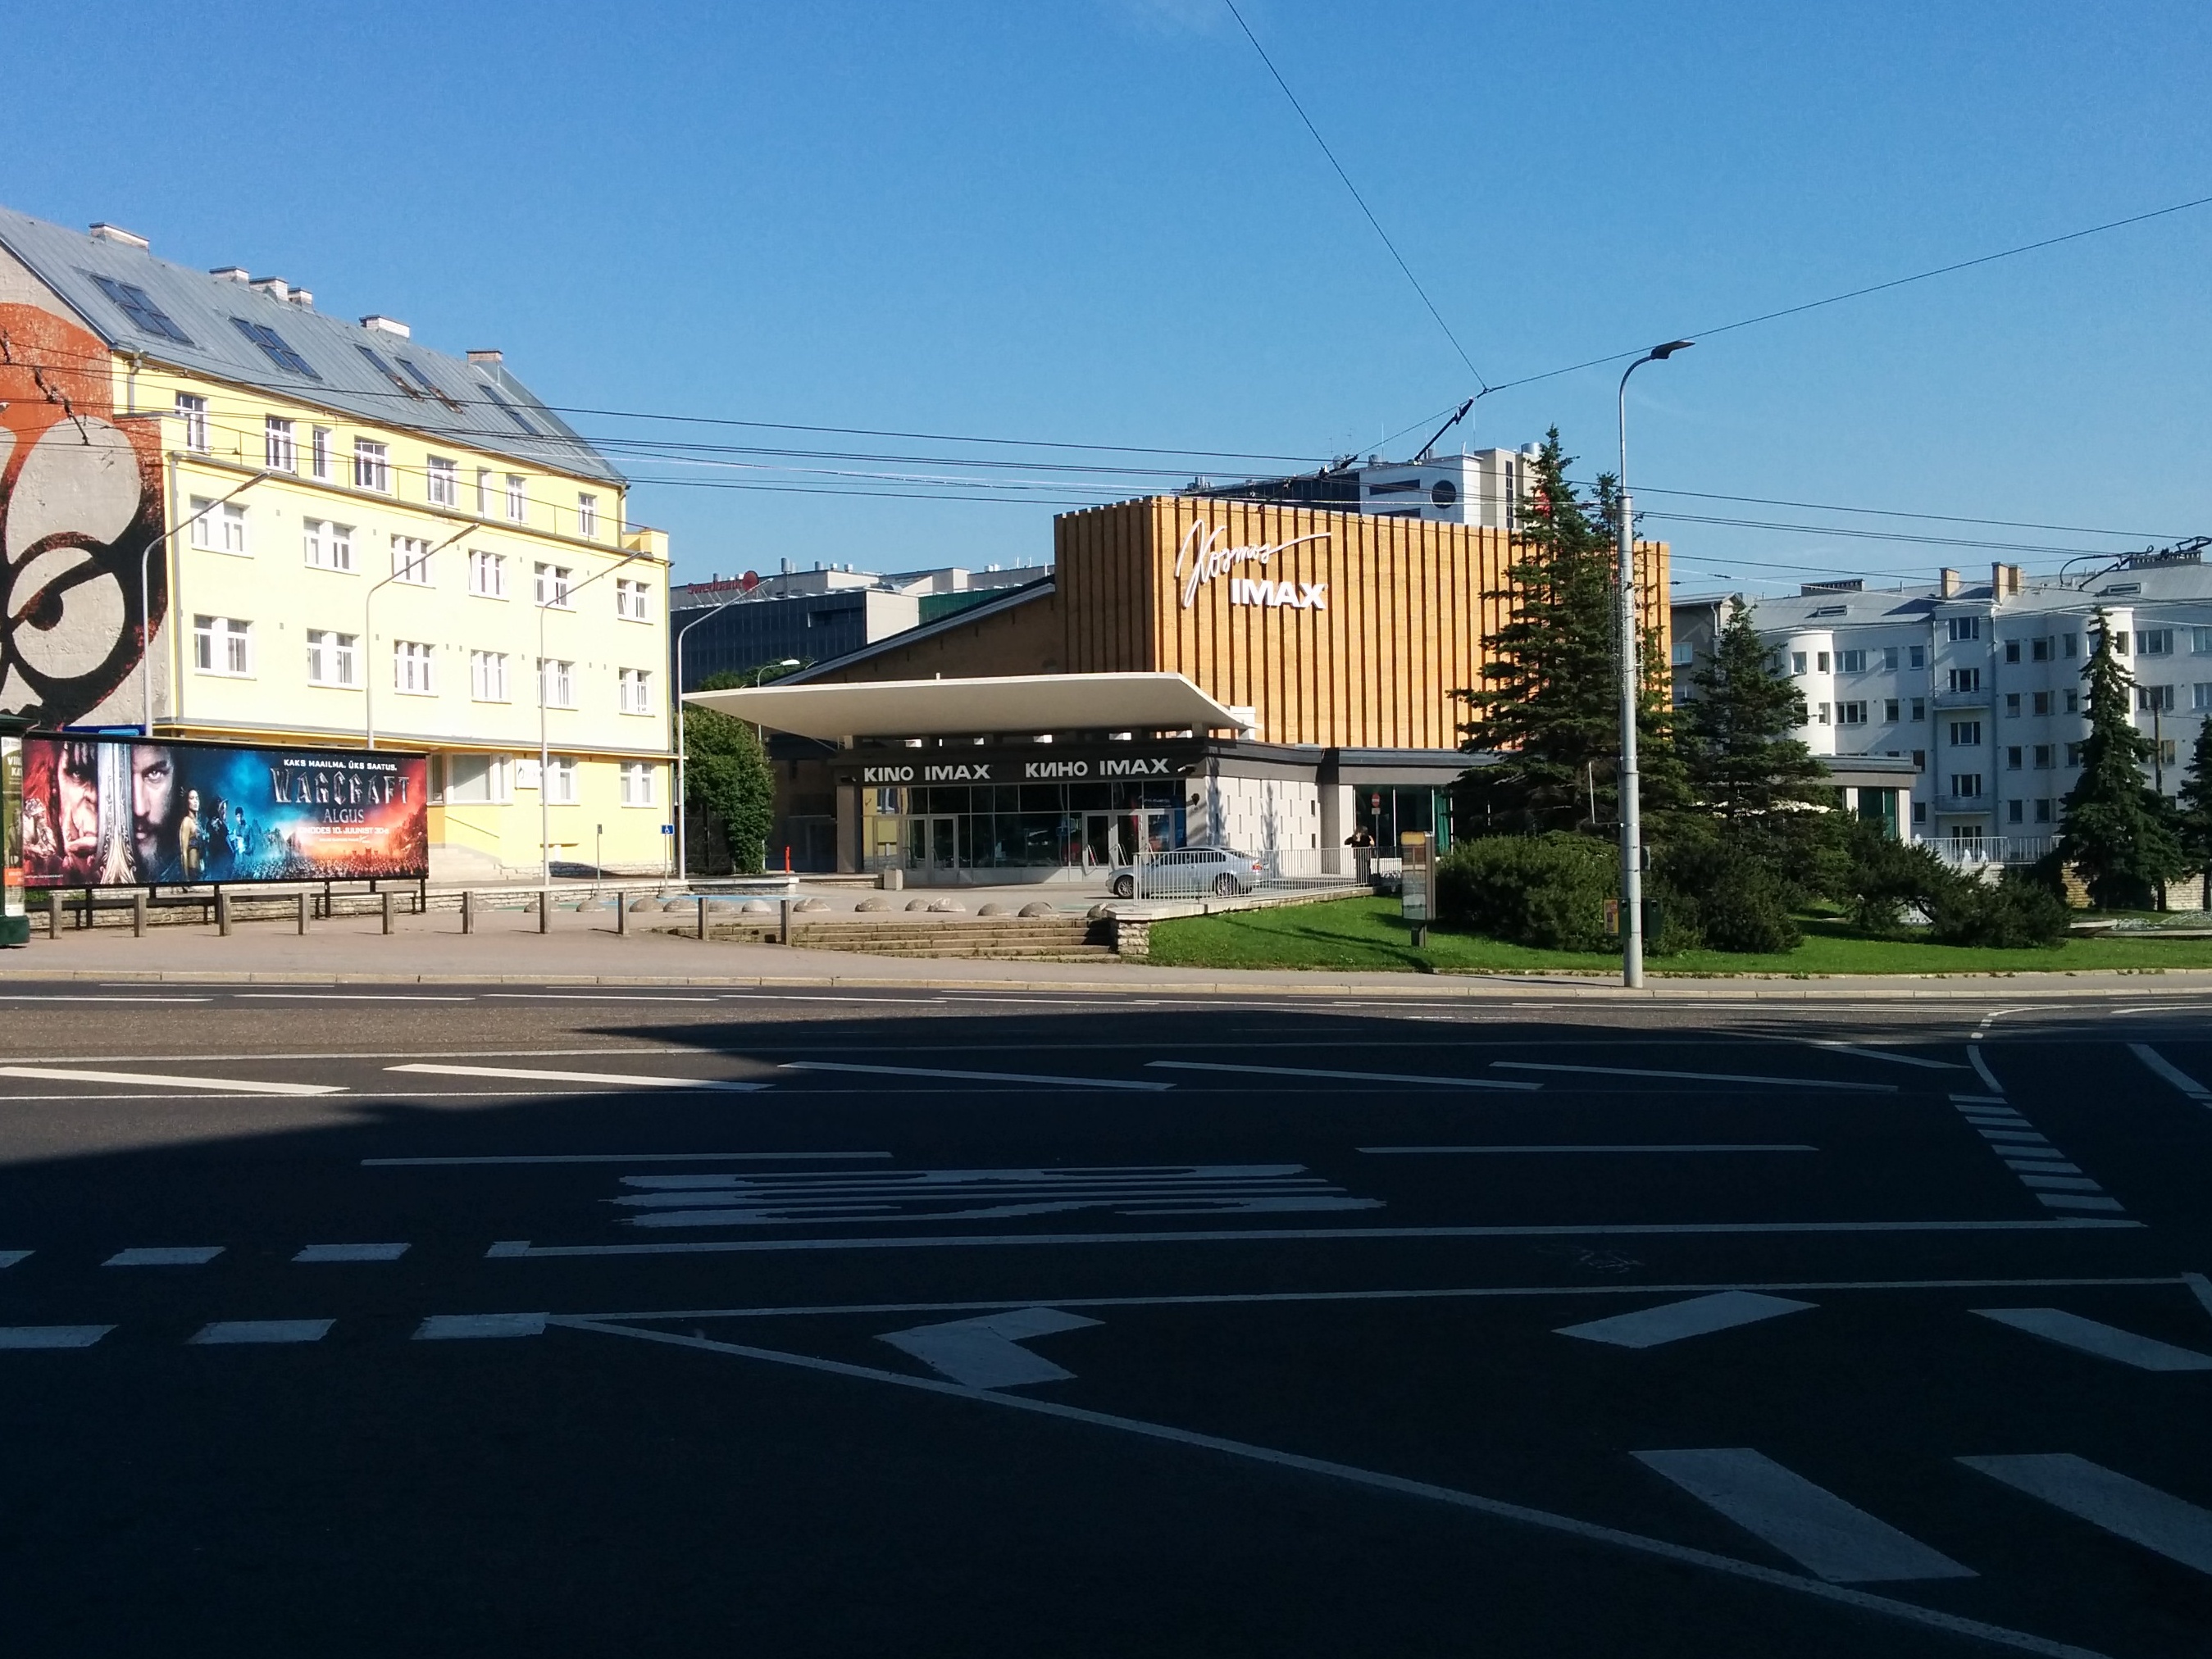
[[1273, 678]]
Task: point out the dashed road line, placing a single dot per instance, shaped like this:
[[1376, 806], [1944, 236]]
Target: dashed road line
[[1866, 1052], [164, 1256], [621, 1079], [1665, 1146], [615, 1158], [351, 1253], [1354, 1077], [1694, 1077], [2105, 1341], [170, 1080], [448, 1328], [339, 996], [224, 1332], [975, 1077], [1671, 1322], [2126, 1507], [52, 1336]]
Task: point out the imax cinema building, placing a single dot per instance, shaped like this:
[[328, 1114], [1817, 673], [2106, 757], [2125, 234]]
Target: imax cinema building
[[1275, 678]]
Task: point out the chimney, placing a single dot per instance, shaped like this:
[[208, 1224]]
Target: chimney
[[2004, 581], [387, 325], [301, 297], [483, 356], [1946, 584], [232, 273], [116, 234], [275, 287]]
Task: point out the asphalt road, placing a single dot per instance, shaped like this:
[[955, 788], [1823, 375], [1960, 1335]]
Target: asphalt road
[[458, 1321]]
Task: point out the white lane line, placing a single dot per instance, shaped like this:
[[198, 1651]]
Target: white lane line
[[1356, 1077], [973, 1076], [169, 1080], [2172, 1073], [586, 996], [10, 1258], [987, 1352], [2079, 1202], [624, 1079], [451, 1328], [1695, 1077], [1983, 1066], [2105, 1341], [351, 1253], [2199, 1285], [516, 1249], [1474, 1503], [52, 1336], [20, 996], [1651, 1327], [165, 1256], [2178, 1530], [617, 1157], [338, 996], [1819, 1531], [1673, 1146], [226, 1331], [1864, 1052], [902, 1002]]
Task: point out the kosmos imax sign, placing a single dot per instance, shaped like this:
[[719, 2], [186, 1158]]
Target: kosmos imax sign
[[1023, 771], [1201, 558]]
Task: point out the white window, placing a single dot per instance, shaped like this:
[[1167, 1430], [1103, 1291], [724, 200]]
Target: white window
[[517, 498], [1822, 711], [587, 515], [552, 586], [218, 527], [2200, 695], [330, 657], [1851, 662], [2155, 642], [1920, 709], [1915, 656], [2200, 642], [637, 783], [371, 466], [2042, 704], [222, 645], [328, 546], [2012, 705], [487, 574], [487, 676], [1889, 710], [556, 682], [194, 410], [1796, 662], [1966, 785], [1889, 658], [630, 599], [2043, 752], [1851, 714], [2159, 697], [2073, 702], [411, 560], [282, 453], [561, 780], [319, 453], [1966, 734], [202, 530], [1966, 679], [1964, 628], [478, 778], [2119, 642], [636, 685], [441, 481], [411, 665], [2013, 758]]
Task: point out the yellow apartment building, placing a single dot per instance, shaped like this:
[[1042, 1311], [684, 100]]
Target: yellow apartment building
[[227, 515]]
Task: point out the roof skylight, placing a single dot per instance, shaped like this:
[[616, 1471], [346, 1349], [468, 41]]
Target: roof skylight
[[274, 345], [386, 370], [511, 411], [134, 302]]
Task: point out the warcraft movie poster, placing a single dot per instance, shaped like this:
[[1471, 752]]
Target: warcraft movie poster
[[103, 811]]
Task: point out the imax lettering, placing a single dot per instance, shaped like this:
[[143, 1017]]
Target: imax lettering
[[1201, 558], [968, 774], [1299, 596], [1132, 768]]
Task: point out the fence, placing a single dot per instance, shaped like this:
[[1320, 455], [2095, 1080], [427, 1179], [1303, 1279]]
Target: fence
[[1974, 852], [1191, 873]]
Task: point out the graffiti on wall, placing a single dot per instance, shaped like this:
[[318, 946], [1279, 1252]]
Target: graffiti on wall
[[80, 502]]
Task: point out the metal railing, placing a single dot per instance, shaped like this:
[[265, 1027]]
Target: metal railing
[[1194, 873], [1973, 852]]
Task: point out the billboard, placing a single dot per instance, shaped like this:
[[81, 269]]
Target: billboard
[[106, 811]]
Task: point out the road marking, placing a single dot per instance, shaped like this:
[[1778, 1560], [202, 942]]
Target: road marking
[[2079, 1202], [1883, 1054], [52, 1336], [2172, 1073], [977, 1077], [449, 1327], [1357, 1077], [18, 996], [1983, 1066], [1695, 1077], [2126, 1507], [626, 1079], [2105, 1341], [903, 1002], [351, 1253], [170, 1080], [987, 1352], [516, 1249], [165, 1256], [2199, 1285], [1834, 1540], [338, 996], [223, 1331], [1674, 1146], [1474, 1502], [1650, 1327], [613, 1158], [586, 996], [10, 1258]]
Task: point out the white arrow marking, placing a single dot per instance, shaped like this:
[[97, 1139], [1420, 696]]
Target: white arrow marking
[[626, 1079], [1648, 1327], [983, 1353], [2105, 1341], [2143, 1515]]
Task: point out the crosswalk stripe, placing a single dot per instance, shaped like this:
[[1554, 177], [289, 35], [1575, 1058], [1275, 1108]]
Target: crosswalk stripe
[[1830, 1538], [171, 1080], [2172, 1526], [351, 1252], [2105, 1341], [454, 1327], [1648, 1327], [52, 1336], [164, 1256], [626, 1079], [241, 1331]]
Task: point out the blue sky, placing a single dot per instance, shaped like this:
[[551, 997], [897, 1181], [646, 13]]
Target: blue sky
[[1098, 221]]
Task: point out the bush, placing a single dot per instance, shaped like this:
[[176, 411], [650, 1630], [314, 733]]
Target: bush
[[1548, 891], [1887, 876], [1723, 895], [2018, 913]]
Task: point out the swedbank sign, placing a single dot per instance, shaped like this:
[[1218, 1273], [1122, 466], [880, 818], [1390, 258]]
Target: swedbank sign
[[1202, 558]]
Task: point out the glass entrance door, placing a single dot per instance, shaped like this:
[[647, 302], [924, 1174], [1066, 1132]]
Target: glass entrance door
[[1102, 841], [932, 845]]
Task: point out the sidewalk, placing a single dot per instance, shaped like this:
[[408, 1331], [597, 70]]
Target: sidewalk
[[583, 949]]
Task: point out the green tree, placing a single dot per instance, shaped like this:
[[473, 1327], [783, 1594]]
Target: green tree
[[1735, 738], [2194, 823], [727, 784], [1549, 706], [2119, 830]]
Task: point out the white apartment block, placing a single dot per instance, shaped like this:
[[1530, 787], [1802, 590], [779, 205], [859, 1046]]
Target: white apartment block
[[1980, 687]]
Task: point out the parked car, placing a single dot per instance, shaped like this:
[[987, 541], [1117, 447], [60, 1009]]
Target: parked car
[[1190, 870]]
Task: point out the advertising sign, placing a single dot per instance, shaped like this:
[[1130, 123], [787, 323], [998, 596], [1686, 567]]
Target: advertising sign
[[1418, 853], [100, 811]]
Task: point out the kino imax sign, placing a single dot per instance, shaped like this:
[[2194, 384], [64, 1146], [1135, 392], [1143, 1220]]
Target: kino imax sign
[[1201, 558], [1135, 766]]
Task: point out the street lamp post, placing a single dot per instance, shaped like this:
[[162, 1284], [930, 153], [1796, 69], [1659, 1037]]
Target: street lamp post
[[545, 756], [1631, 805], [145, 596], [683, 843]]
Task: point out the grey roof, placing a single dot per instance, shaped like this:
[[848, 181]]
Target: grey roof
[[2155, 585], [208, 309]]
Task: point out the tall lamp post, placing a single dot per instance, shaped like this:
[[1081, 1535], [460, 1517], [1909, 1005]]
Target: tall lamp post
[[1631, 805], [683, 841], [545, 806]]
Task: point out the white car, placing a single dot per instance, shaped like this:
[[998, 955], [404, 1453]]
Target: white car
[[1190, 870]]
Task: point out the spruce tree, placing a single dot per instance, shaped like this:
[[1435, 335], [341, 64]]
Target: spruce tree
[[1549, 706], [1734, 737], [2119, 830], [2193, 825]]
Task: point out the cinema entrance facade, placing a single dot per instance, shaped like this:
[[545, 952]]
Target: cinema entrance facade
[[1195, 672]]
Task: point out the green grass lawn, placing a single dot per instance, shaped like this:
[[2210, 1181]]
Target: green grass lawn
[[1367, 934]]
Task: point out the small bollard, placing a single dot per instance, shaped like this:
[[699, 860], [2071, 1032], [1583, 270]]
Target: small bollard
[[546, 909], [305, 901], [703, 916], [784, 936], [54, 913], [387, 912], [621, 913], [222, 912], [137, 915], [468, 911]]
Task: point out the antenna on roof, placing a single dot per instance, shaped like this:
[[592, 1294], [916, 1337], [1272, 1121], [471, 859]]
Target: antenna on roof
[[1460, 416]]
